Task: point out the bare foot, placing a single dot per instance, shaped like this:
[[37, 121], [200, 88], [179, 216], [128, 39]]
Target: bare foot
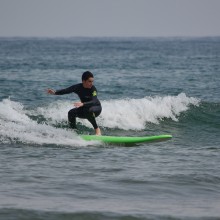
[[98, 131]]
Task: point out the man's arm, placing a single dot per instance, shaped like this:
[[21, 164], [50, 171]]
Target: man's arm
[[62, 91], [65, 91], [94, 101]]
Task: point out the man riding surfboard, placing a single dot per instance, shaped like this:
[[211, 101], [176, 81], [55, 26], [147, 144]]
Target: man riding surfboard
[[89, 106]]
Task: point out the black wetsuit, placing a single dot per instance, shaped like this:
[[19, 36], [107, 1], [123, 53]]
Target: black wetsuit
[[91, 105]]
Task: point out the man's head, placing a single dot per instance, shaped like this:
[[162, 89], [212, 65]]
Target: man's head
[[86, 75], [87, 79]]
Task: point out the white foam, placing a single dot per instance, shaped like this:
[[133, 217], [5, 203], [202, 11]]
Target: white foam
[[15, 126], [135, 113], [126, 114], [55, 112]]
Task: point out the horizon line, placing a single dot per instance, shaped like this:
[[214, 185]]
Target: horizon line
[[78, 36]]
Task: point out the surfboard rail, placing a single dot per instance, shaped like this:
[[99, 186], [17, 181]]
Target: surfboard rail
[[126, 139]]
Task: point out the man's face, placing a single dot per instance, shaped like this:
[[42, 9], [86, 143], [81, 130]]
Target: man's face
[[88, 83]]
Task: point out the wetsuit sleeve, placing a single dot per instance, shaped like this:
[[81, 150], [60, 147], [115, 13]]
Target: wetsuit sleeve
[[94, 100], [66, 91]]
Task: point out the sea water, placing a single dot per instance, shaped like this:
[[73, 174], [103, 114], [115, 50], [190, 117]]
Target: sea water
[[147, 86]]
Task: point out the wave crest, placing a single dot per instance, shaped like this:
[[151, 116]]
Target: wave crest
[[20, 124], [135, 113]]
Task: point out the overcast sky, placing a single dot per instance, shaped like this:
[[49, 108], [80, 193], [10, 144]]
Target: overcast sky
[[66, 18]]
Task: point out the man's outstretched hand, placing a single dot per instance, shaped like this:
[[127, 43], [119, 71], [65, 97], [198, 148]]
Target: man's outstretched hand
[[51, 91]]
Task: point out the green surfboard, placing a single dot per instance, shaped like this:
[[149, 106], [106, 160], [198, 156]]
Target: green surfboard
[[126, 140]]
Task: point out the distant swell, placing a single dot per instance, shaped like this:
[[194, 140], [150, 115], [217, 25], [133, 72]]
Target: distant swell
[[22, 214]]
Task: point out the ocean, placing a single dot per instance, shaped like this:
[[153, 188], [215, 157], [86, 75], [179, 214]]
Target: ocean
[[147, 86]]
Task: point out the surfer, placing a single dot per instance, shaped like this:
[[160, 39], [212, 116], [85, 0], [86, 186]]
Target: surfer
[[89, 106]]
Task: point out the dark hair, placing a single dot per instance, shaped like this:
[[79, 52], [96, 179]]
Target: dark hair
[[86, 75]]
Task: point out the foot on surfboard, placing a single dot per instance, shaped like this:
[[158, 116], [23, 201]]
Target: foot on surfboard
[[98, 132]]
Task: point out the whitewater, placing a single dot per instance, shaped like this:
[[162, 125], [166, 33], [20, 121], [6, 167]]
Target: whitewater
[[38, 126]]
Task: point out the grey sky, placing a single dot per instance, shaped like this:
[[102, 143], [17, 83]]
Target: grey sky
[[63, 18]]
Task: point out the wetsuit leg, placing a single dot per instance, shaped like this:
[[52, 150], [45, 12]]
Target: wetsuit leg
[[92, 113], [72, 118], [72, 114], [85, 113]]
